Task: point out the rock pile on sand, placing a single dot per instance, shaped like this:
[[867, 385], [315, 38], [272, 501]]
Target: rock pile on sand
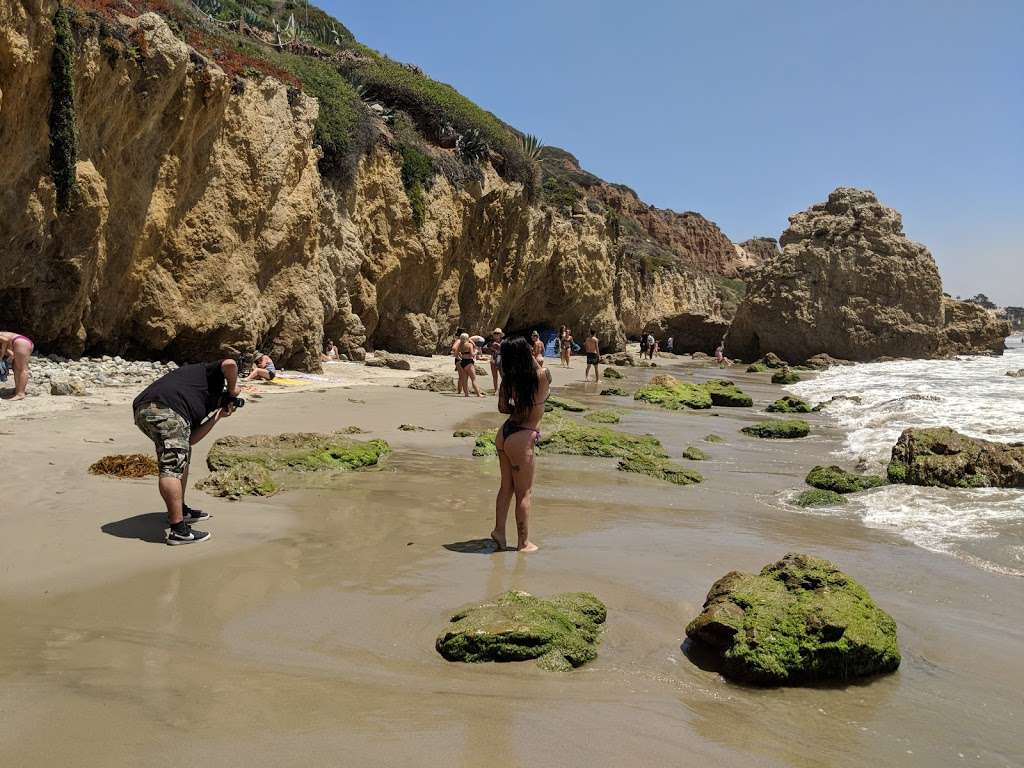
[[60, 376]]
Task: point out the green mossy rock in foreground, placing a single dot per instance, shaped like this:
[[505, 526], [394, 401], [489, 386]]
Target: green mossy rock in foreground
[[781, 429], [484, 445], [940, 456], [560, 633], [833, 478], [563, 404], [712, 438], [245, 466], [661, 470], [614, 391], [800, 620], [665, 391], [785, 376], [694, 454], [818, 497], [757, 367], [604, 417], [572, 438], [611, 373], [789, 404], [727, 394]]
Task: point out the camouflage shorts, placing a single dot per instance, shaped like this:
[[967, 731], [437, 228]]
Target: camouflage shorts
[[170, 434]]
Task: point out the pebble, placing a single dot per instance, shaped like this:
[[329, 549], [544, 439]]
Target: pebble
[[91, 373]]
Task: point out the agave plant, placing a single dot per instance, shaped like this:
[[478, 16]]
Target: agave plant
[[472, 146], [531, 145]]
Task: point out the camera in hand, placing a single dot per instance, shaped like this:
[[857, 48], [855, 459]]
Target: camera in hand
[[226, 400]]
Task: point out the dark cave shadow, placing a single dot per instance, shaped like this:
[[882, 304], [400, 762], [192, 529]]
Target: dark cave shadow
[[148, 527]]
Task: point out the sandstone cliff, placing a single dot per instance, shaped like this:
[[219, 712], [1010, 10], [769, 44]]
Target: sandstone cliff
[[850, 284], [202, 221]]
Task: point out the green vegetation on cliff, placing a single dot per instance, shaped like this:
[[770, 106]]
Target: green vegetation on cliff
[[63, 128]]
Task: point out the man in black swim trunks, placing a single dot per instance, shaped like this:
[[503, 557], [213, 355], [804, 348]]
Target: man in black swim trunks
[[177, 411], [593, 349]]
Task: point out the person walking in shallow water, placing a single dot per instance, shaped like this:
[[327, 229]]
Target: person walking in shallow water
[[17, 351], [525, 385], [593, 349], [467, 365]]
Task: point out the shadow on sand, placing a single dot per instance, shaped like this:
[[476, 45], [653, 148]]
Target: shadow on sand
[[150, 526], [474, 547]]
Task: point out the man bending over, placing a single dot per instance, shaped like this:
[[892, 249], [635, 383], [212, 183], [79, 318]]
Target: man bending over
[[177, 411]]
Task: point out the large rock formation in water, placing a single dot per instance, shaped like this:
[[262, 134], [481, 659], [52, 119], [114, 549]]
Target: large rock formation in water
[[849, 283], [943, 457], [202, 220]]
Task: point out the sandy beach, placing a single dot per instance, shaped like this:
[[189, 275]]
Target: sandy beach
[[303, 633]]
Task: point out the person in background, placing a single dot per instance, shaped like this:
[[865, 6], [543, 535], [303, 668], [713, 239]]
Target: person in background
[[650, 346], [670, 344], [17, 351], [525, 385], [593, 349], [494, 348], [263, 369], [177, 411], [330, 352], [455, 353], [467, 365], [538, 347], [565, 346], [643, 345]]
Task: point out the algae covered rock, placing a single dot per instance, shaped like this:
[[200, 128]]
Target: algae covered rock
[[255, 465], [713, 438], [560, 633], [727, 394], [839, 480], [818, 497], [940, 456], [780, 429], [757, 367], [575, 439], [612, 373], [604, 417], [785, 376], [856, 399], [661, 469], [434, 382], [666, 392], [484, 445], [694, 454], [789, 404], [563, 404], [614, 392], [800, 620], [766, 363], [463, 433]]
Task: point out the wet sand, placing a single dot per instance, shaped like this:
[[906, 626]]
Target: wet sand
[[303, 633]]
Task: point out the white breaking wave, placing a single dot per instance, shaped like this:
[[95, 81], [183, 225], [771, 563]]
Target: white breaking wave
[[973, 395]]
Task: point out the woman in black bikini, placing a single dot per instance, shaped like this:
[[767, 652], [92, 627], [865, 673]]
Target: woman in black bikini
[[524, 388], [467, 365], [494, 348]]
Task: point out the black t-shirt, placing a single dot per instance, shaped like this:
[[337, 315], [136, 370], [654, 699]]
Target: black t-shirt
[[193, 391]]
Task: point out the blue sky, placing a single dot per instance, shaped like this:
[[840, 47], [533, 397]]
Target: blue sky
[[750, 111]]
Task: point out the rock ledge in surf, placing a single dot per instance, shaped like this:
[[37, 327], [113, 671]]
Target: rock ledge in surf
[[940, 456]]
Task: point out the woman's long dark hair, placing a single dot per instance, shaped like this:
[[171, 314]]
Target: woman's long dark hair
[[518, 374]]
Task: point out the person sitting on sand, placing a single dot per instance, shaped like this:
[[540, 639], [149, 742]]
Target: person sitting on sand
[[177, 411], [538, 348], [494, 348], [525, 385], [593, 349], [17, 350], [263, 369], [467, 365], [330, 352]]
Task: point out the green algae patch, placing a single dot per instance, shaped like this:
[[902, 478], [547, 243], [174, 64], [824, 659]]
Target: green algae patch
[[757, 367], [563, 404], [666, 392], [693, 453], [839, 480], [560, 633], [726, 394], [604, 417], [782, 429], [819, 497], [612, 373], [238, 480], [572, 438], [785, 376], [800, 620], [250, 466], [484, 445], [789, 404], [661, 469], [615, 392], [712, 438]]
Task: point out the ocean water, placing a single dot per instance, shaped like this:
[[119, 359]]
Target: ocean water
[[972, 395]]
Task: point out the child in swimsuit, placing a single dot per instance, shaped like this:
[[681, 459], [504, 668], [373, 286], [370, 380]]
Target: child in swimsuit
[[17, 350]]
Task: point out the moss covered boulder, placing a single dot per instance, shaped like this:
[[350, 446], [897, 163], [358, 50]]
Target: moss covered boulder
[[434, 382], [785, 376], [839, 480], [727, 394], [712, 438], [572, 438], [560, 633], [817, 497], [693, 453], [615, 392], [667, 392], [800, 620], [256, 465], [563, 404], [604, 417], [484, 445], [782, 429], [612, 373], [940, 456], [789, 404], [767, 363], [661, 469]]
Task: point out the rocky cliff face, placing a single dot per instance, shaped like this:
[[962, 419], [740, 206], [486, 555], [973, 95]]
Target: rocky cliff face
[[849, 283], [202, 223]]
